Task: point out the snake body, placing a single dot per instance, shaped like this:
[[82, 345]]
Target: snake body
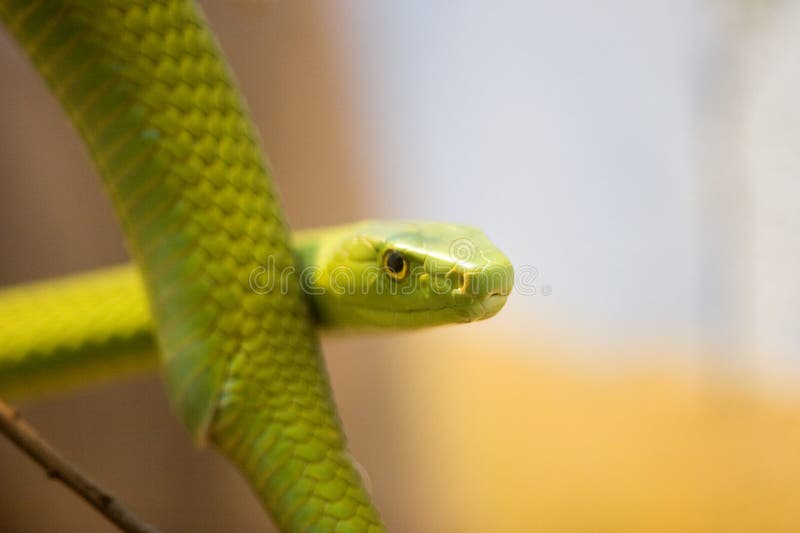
[[146, 87]]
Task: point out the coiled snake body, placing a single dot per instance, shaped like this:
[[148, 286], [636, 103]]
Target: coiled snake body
[[145, 85]]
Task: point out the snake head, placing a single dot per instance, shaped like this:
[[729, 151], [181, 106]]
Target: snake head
[[408, 274]]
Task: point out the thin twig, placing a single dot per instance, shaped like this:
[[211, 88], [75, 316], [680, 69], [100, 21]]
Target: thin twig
[[26, 438]]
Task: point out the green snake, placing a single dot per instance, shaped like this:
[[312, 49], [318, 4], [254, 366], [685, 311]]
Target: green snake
[[229, 300], [58, 334]]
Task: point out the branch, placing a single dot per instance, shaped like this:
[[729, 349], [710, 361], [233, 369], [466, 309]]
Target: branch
[[26, 438]]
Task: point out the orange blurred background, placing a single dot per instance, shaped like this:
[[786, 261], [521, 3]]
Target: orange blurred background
[[534, 420]]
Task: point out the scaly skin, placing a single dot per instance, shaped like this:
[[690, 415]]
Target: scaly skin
[[145, 86]]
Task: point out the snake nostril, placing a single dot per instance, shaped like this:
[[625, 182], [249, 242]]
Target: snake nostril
[[463, 282]]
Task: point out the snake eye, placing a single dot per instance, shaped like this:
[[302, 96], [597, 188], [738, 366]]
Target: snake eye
[[395, 264]]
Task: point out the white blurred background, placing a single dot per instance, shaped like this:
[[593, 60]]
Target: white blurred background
[[641, 156], [553, 126]]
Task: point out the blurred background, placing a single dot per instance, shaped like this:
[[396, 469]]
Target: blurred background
[[638, 162]]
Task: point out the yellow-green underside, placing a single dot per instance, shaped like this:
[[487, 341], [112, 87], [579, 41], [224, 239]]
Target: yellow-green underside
[[60, 334]]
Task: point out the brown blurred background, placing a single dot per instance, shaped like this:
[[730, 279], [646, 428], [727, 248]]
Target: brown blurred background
[[498, 426]]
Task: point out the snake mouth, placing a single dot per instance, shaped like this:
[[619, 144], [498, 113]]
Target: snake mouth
[[499, 293], [470, 307], [462, 309], [493, 303]]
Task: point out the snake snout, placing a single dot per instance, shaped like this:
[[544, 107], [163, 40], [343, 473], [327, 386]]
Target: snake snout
[[496, 281]]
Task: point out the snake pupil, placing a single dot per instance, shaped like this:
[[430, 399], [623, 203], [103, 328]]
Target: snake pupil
[[395, 263]]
